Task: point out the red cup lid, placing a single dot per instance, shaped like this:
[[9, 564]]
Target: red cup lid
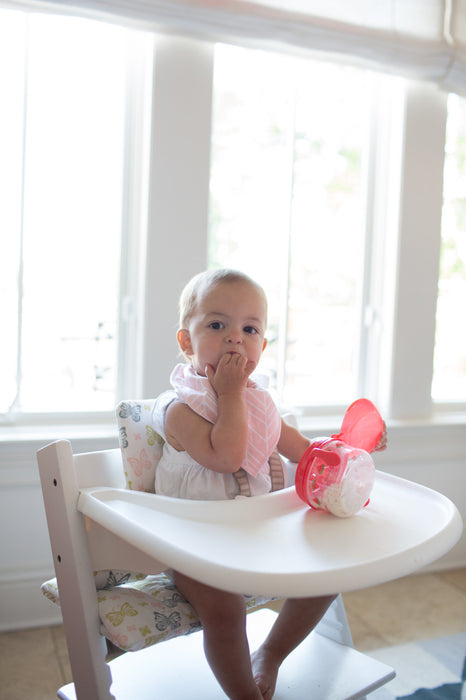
[[362, 425]]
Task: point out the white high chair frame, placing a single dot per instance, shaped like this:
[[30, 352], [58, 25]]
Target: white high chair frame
[[273, 544]]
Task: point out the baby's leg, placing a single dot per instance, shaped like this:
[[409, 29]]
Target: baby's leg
[[223, 617], [296, 620]]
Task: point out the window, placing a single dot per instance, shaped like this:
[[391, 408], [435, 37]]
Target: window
[[449, 383], [290, 191], [64, 129], [294, 182]]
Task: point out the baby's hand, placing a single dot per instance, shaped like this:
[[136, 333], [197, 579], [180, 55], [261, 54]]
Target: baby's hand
[[382, 443], [231, 375]]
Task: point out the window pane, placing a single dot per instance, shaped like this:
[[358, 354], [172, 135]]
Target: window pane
[[449, 383], [73, 161], [288, 206]]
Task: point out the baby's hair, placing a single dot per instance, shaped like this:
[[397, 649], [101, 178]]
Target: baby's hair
[[203, 283]]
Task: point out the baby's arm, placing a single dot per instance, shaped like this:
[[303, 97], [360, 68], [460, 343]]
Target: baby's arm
[[382, 443], [292, 444], [220, 446]]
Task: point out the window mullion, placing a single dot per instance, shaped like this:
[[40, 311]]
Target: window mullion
[[419, 250], [283, 336], [134, 214], [178, 195], [366, 320], [382, 219]]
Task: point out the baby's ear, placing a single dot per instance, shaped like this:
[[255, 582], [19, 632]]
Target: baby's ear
[[264, 344], [184, 341]]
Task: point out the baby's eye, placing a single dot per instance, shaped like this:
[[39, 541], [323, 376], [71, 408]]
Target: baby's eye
[[250, 329], [216, 325]]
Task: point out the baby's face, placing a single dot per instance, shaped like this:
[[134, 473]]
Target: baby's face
[[230, 318]]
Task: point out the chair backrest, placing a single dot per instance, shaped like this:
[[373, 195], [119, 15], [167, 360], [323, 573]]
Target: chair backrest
[[141, 447], [102, 468]]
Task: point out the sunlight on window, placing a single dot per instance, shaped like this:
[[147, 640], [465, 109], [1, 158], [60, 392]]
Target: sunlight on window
[[288, 206], [449, 383], [12, 52], [65, 124]]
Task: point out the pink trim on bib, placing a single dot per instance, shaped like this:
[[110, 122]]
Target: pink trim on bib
[[264, 421]]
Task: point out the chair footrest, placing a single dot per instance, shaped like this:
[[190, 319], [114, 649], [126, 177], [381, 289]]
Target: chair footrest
[[319, 668]]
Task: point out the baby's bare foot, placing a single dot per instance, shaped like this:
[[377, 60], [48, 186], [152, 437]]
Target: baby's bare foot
[[265, 672]]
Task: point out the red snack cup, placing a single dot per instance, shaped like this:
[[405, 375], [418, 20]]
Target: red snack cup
[[337, 474]]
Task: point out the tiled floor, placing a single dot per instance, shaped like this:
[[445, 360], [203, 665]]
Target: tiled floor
[[34, 663], [408, 609]]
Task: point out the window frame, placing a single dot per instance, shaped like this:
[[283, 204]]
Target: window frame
[[416, 167], [138, 85], [178, 166]]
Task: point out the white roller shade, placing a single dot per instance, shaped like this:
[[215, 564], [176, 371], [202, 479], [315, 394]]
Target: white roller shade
[[423, 39]]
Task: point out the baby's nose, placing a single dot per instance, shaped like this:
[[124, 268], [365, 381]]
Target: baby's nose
[[234, 337]]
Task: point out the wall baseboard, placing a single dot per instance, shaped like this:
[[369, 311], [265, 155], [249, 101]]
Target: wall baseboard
[[23, 606]]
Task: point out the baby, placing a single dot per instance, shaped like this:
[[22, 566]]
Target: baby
[[220, 430]]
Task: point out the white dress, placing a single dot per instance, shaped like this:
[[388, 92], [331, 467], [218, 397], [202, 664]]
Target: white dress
[[180, 476]]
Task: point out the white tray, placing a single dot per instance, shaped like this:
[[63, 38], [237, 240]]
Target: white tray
[[299, 551]]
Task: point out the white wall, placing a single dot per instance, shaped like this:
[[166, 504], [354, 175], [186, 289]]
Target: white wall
[[25, 554], [431, 455]]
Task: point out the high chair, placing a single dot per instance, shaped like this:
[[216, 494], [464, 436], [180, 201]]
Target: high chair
[[103, 532]]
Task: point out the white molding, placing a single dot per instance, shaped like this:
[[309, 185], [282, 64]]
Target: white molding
[[40, 571]]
